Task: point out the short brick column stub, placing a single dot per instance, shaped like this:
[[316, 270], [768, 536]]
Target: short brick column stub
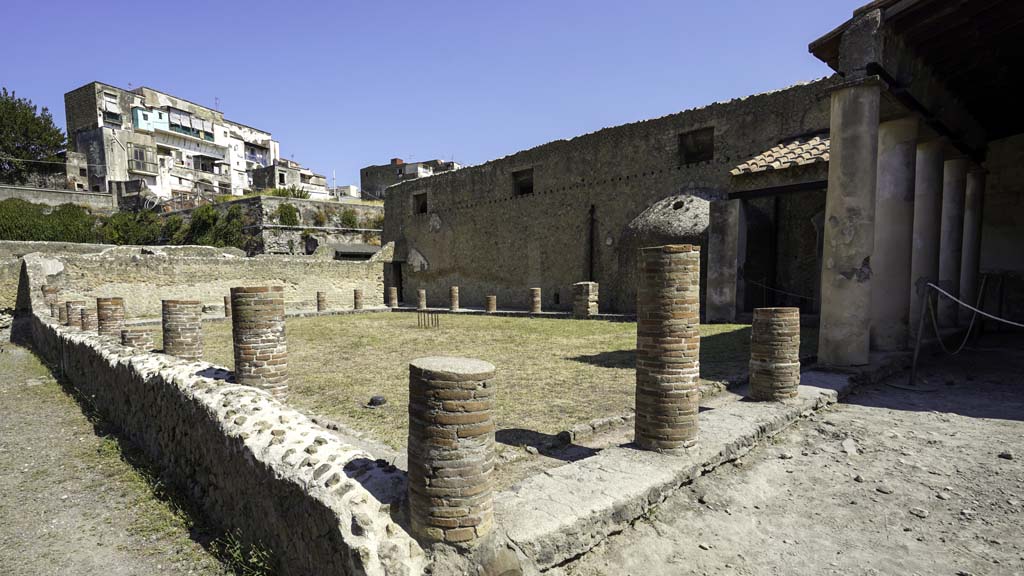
[[491, 304], [62, 313], [668, 348], [137, 338], [584, 299], [392, 297], [421, 299], [453, 298], [183, 328], [451, 449], [321, 301], [110, 316], [775, 354], [535, 303], [357, 299], [227, 306], [90, 320], [258, 338], [74, 313]]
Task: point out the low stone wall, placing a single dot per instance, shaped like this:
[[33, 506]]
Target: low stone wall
[[316, 502], [145, 275], [96, 201]]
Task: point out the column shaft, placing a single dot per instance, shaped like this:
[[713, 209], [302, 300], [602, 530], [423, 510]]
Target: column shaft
[[584, 299], [110, 315], [535, 302], [954, 184], [257, 331], [392, 297], [972, 241], [357, 298], [183, 328], [491, 304], [723, 260], [924, 261], [453, 298]]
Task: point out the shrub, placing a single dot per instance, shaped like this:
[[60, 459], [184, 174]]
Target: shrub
[[375, 222], [349, 218], [290, 192], [320, 217], [127, 228], [174, 230], [21, 220], [288, 215]]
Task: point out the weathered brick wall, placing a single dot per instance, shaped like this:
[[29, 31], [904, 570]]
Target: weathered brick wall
[[479, 235], [319, 504], [143, 279]]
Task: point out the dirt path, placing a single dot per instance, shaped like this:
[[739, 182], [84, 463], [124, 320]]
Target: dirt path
[[889, 482], [69, 503]]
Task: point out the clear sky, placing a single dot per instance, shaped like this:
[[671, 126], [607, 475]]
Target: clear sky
[[345, 84]]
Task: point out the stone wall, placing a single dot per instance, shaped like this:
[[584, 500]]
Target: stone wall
[[96, 201], [479, 234], [316, 502], [1002, 233]]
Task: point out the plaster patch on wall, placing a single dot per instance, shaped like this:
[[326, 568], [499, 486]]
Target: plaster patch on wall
[[435, 222], [417, 262]]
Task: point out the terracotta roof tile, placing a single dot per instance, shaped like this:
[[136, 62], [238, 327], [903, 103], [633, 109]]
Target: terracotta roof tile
[[798, 152]]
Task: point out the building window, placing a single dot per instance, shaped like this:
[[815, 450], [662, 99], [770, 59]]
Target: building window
[[145, 116], [419, 203], [523, 182], [280, 178], [141, 158], [82, 172], [697, 146]]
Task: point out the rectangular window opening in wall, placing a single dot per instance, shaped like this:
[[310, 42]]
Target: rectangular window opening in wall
[[419, 203], [82, 172], [523, 182], [697, 145], [280, 178]]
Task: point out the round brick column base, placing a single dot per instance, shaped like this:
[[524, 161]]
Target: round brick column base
[[357, 299], [775, 354], [183, 328], [257, 330], [74, 312], [453, 297], [392, 297], [492, 304], [535, 300], [421, 299], [110, 316], [321, 301]]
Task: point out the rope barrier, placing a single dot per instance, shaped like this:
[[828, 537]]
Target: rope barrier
[[756, 283]]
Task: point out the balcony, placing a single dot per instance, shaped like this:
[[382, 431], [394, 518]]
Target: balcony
[[142, 167]]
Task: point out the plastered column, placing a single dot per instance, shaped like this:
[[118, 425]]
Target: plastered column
[[491, 305], [183, 328], [74, 312], [971, 251], [451, 449], [894, 234], [357, 299], [584, 299], [141, 338], [723, 260], [110, 315], [924, 261], [954, 185], [258, 338], [453, 298], [846, 272], [421, 299], [392, 297], [535, 301], [667, 348], [321, 301], [775, 354]]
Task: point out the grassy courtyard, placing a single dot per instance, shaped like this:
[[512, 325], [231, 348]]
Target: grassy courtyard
[[551, 374]]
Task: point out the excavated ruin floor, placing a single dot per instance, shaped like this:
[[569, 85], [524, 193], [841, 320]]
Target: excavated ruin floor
[[889, 481]]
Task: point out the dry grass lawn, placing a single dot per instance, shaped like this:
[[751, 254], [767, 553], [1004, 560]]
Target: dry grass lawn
[[551, 373]]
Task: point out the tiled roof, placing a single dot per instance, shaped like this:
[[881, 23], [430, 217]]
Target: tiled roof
[[793, 153]]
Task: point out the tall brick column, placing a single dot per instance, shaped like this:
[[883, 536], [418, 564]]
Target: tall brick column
[[453, 297], [534, 300], [257, 331], [137, 338], [668, 347], [227, 306], [74, 312], [89, 320], [584, 299], [775, 353], [421, 299], [392, 297], [492, 304], [62, 313], [110, 314], [321, 301], [451, 449], [357, 299], [183, 329]]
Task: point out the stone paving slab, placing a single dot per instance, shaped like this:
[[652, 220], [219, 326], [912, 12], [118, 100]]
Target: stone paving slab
[[564, 512]]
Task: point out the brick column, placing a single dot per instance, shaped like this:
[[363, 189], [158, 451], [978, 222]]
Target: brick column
[[257, 331], [54, 312], [110, 314], [89, 320], [392, 297], [453, 296], [775, 353], [182, 327], [492, 304], [668, 347], [321, 301], [74, 312], [534, 300], [50, 294], [227, 306], [357, 299], [137, 338], [584, 299], [421, 299], [62, 313], [451, 449]]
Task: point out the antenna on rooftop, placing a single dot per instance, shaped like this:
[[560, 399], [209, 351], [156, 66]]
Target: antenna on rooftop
[[216, 103]]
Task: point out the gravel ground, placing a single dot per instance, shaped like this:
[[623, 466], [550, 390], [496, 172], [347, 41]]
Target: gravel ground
[[890, 481]]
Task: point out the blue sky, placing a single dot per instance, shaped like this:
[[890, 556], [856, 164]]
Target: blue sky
[[345, 84]]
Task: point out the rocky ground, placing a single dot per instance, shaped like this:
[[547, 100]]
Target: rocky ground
[[891, 481], [72, 499]]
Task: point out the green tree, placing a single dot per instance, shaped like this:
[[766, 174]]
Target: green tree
[[143, 228], [27, 134]]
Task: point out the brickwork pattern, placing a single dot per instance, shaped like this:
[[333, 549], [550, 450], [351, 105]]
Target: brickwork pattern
[[62, 313], [453, 297], [775, 354], [584, 299], [110, 314], [227, 306], [668, 348], [321, 301], [182, 328], [90, 320], [492, 303], [137, 338], [451, 449], [392, 297], [257, 330], [54, 313], [357, 299], [535, 300], [74, 313], [421, 299]]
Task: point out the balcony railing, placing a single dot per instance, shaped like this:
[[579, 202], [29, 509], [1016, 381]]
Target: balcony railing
[[142, 166]]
